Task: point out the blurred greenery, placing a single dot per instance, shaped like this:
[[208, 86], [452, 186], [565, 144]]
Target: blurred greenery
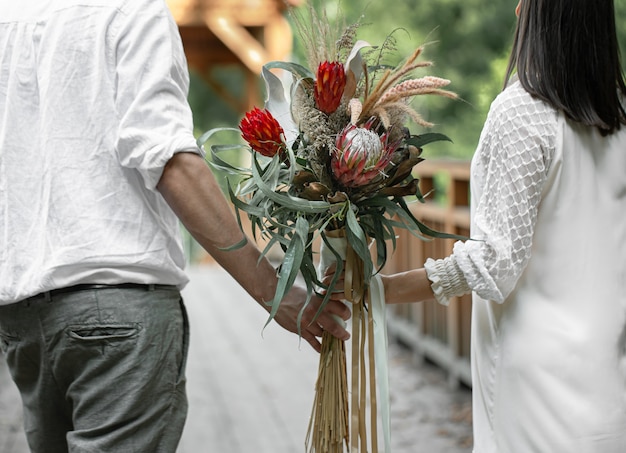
[[209, 109], [468, 40]]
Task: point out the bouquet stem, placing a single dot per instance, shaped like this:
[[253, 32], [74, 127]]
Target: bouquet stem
[[328, 427], [337, 425], [363, 372]]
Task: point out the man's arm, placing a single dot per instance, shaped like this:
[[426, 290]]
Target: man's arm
[[189, 187]]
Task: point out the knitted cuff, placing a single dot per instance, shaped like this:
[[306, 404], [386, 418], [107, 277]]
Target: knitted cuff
[[446, 278]]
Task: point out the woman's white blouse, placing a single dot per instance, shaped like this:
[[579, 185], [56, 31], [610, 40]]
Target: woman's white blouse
[[547, 265], [509, 170]]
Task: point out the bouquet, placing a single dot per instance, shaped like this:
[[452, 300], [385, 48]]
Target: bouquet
[[332, 159]]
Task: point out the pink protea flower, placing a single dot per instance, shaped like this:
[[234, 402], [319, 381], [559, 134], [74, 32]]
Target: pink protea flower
[[361, 155], [262, 132], [329, 86]]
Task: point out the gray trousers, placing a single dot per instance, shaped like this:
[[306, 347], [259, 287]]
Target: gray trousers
[[99, 370]]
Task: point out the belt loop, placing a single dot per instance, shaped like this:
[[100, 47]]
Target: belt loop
[[151, 287], [47, 296]]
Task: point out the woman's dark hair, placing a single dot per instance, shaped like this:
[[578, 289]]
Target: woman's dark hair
[[566, 53]]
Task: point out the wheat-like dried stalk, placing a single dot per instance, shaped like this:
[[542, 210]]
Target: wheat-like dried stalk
[[355, 107], [383, 115], [397, 109], [371, 97], [319, 38], [328, 430], [398, 102], [412, 87], [391, 77]]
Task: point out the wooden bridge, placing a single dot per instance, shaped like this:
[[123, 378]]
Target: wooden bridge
[[249, 33], [251, 389]]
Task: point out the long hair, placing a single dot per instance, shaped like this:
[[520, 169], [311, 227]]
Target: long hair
[[566, 53]]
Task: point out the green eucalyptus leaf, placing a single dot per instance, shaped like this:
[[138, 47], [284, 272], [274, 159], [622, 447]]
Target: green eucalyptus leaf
[[210, 133], [288, 272], [222, 148], [378, 233], [302, 228], [294, 68], [336, 275], [425, 229], [424, 139], [268, 174], [237, 214], [391, 233], [272, 172], [236, 246], [358, 241], [309, 275], [243, 206], [249, 187], [302, 162], [220, 164], [270, 244], [309, 295], [407, 222], [308, 270], [287, 201]]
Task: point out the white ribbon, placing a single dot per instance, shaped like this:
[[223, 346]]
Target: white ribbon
[[378, 305]]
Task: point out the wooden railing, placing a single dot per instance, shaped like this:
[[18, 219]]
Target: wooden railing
[[434, 332]]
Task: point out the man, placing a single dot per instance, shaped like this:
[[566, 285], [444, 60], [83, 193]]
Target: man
[[97, 160]]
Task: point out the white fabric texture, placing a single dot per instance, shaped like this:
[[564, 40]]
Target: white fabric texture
[[548, 271], [447, 279], [92, 106], [510, 167]]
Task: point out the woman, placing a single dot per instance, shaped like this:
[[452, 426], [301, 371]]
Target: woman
[[548, 263]]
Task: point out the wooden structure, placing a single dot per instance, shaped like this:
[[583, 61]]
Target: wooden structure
[[440, 334], [242, 33]]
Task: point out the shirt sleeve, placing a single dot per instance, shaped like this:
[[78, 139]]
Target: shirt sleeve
[[152, 83], [510, 168]]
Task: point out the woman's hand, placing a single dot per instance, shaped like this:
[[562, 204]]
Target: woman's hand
[[402, 287]]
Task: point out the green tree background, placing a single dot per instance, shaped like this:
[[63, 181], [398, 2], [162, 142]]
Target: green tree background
[[468, 41]]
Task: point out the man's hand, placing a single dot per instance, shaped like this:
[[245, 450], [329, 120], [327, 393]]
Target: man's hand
[[190, 189], [311, 328]]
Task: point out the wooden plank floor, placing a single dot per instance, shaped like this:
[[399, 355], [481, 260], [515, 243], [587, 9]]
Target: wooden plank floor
[[12, 438], [251, 390]]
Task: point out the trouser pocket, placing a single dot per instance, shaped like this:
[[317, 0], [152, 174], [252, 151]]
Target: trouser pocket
[[6, 340], [106, 332], [185, 340]]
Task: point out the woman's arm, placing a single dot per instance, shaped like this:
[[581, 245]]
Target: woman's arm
[[400, 288], [406, 287]]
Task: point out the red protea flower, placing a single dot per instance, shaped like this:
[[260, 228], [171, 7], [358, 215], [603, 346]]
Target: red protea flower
[[262, 132], [329, 86], [361, 155]]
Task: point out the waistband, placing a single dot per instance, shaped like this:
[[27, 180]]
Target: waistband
[[48, 295]]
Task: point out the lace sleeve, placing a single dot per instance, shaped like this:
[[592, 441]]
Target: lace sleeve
[[509, 170]]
